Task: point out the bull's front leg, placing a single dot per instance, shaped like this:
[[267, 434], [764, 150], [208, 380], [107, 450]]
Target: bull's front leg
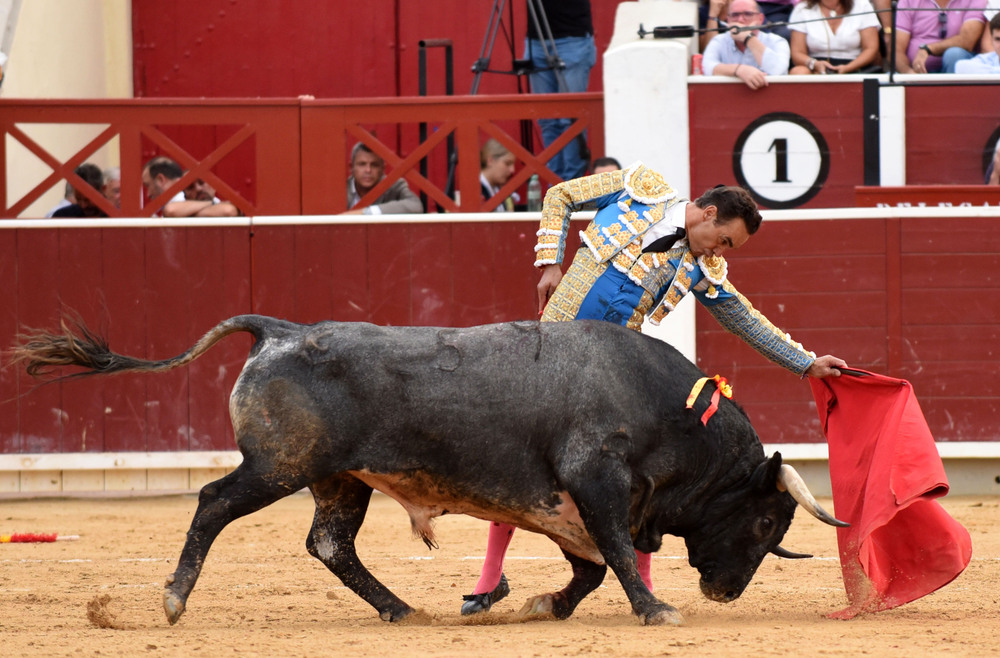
[[600, 486], [341, 505]]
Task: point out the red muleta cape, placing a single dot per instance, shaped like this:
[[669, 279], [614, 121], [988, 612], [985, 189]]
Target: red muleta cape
[[886, 472]]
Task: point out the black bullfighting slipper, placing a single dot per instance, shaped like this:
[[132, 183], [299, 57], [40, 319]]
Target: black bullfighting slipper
[[476, 603]]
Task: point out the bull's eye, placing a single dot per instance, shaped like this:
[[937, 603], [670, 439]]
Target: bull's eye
[[766, 524]]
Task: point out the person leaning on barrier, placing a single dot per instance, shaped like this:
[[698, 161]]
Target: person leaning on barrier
[[750, 55], [83, 206], [934, 41], [834, 36], [367, 169], [200, 190], [162, 172]]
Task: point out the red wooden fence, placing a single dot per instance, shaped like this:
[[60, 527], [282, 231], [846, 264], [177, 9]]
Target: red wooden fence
[[290, 157], [896, 294]]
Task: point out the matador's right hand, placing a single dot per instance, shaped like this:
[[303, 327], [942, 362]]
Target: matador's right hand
[[551, 276]]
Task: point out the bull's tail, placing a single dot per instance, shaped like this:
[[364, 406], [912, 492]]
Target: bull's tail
[[44, 353]]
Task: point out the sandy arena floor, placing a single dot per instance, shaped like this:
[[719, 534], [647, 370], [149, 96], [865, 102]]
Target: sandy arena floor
[[261, 594]]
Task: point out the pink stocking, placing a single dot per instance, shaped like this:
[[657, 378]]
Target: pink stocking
[[644, 562], [496, 549]]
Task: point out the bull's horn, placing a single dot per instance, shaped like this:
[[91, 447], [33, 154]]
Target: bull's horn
[[789, 480], [787, 554]]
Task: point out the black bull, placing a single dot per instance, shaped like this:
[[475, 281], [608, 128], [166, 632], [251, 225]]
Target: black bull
[[576, 430]]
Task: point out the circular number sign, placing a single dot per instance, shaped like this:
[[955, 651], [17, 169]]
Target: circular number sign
[[782, 159]]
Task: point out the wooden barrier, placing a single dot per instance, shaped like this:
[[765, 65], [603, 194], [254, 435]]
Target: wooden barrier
[[879, 287]]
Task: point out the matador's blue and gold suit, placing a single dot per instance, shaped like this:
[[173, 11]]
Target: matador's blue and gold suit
[[612, 279]]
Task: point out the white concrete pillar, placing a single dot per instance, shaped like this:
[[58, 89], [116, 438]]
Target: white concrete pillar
[[646, 118]]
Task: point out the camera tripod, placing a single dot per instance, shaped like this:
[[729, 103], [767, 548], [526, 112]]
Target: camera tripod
[[520, 67]]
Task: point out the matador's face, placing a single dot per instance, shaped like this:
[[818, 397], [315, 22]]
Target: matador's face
[[707, 236]]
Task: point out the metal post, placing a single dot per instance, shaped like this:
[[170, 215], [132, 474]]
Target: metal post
[[449, 85]]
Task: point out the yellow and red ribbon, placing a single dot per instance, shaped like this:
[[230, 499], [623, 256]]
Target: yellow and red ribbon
[[721, 387]]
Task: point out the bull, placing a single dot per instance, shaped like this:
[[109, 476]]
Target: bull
[[576, 430]]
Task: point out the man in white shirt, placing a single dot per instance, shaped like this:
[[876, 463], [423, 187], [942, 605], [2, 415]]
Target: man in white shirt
[[161, 173], [750, 55]]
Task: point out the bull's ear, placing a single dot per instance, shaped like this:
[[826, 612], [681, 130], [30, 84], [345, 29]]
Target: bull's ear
[[765, 477]]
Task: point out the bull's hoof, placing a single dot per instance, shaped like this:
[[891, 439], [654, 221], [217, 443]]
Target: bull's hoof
[[173, 605], [396, 614], [476, 603], [662, 615], [537, 607]]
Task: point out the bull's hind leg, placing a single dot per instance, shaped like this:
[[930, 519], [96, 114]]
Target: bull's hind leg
[[341, 504], [587, 576], [240, 493]]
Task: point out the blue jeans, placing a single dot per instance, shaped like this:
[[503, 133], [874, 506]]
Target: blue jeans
[[579, 54], [953, 56]]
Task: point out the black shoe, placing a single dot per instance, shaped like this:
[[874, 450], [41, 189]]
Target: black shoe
[[476, 603]]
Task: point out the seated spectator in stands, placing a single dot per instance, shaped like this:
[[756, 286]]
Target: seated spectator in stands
[[934, 41], [84, 207], [748, 54], [989, 60], [199, 190], [712, 17], [162, 172], [367, 169], [777, 11], [602, 165], [496, 166], [112, 189], [847, 42]]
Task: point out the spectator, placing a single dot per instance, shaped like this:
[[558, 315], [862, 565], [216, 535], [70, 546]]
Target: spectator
[[602, 165], [68, 199], [84, 207], [846, 42], [777, 11], [199, 190], [989, 60], [162, 172], [710, 17], [748, 54], [573, 36], [367, 169], [934, 41], [112, 188], [496, 166]]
